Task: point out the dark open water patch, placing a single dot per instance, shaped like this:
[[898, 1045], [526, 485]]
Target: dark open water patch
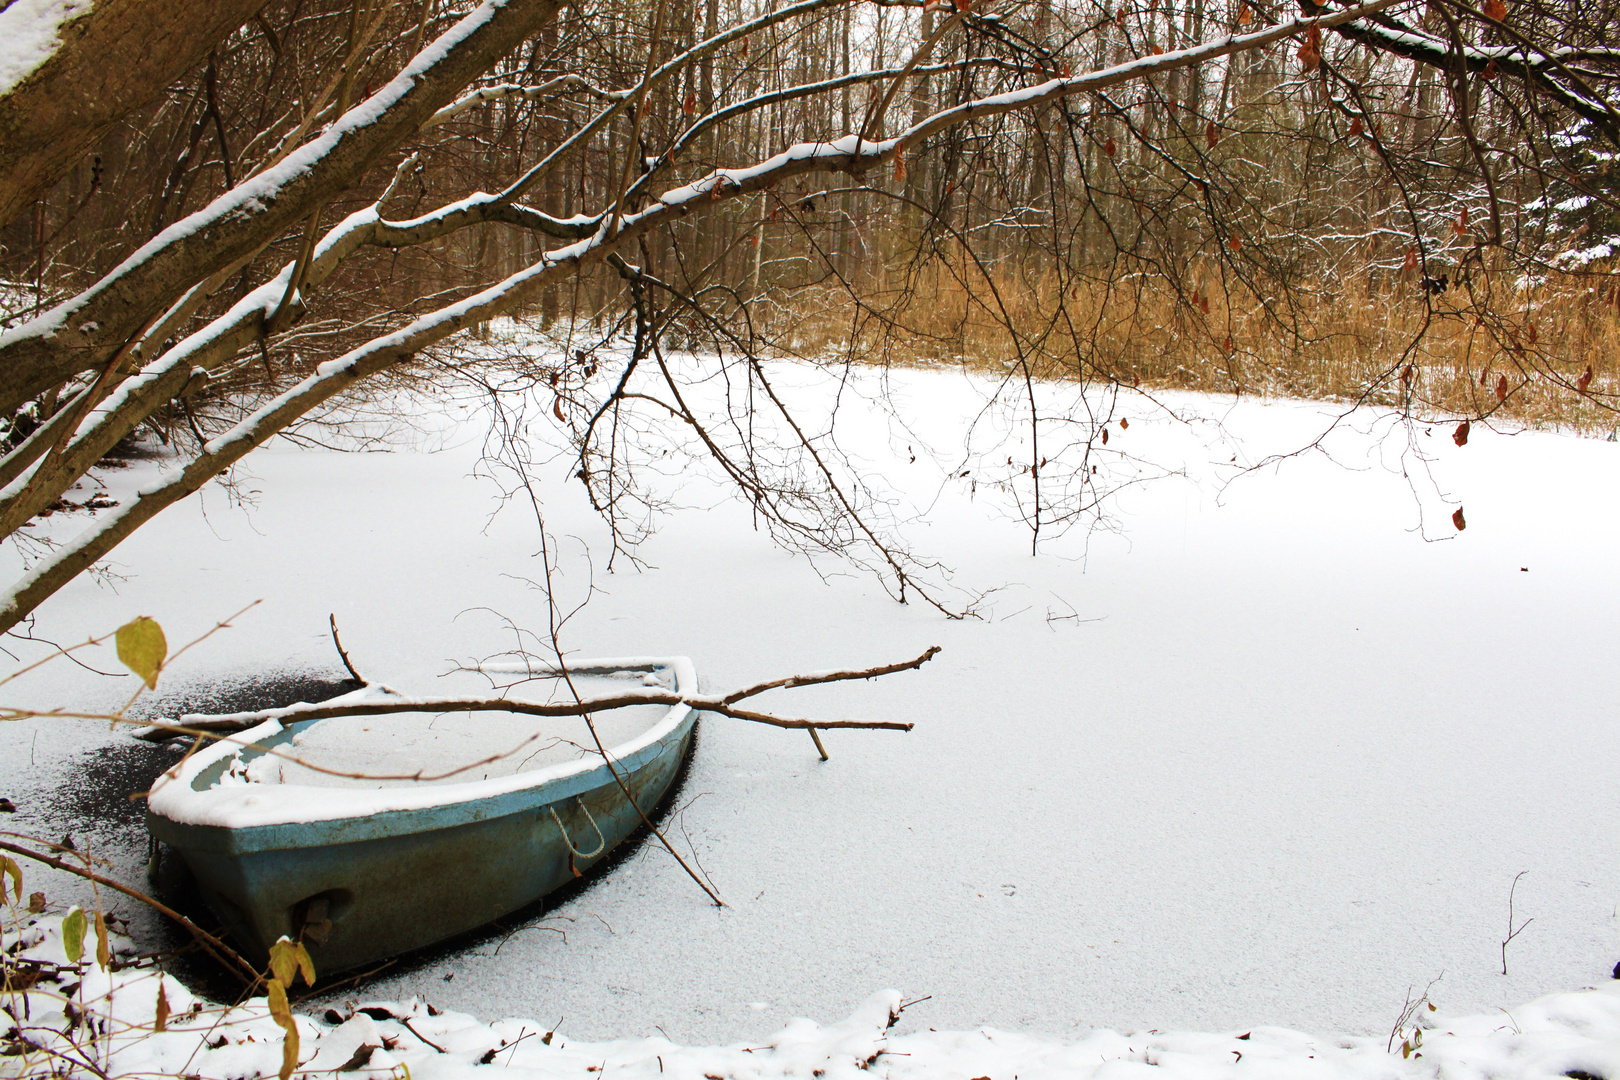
[[249, 693], [100, 790], [94, 795]]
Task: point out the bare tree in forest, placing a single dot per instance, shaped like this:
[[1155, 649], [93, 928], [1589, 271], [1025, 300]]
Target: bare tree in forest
[[216, 219]]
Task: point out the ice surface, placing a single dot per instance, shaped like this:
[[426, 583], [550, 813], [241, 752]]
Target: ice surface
[[1267, 752]]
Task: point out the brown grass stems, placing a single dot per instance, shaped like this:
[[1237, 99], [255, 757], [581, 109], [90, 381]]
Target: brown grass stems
[[1491, 348]]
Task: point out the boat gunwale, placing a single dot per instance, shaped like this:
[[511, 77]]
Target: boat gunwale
[[297, 815]]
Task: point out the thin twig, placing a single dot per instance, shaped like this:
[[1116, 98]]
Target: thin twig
[[831, 676], [1512, 933], [343, 655], [406, 1021]]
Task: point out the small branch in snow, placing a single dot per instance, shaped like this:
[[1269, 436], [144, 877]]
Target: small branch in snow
[[1512, 932], [1409, 1013]]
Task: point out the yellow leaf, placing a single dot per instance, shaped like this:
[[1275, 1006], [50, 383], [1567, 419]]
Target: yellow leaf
[[10, 869], [306, 966], [103, 943], [73, 927], [283, 963], [289, 1053], [281, 1013], [143, 648], [289, 959]]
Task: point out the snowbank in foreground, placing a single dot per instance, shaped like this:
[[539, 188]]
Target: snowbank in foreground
[[1562, 1035]]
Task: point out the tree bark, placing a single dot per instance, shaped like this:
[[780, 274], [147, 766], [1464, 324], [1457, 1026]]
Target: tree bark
[[115, 58]]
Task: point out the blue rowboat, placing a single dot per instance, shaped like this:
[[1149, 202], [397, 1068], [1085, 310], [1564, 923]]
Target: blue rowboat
[[362, 873]]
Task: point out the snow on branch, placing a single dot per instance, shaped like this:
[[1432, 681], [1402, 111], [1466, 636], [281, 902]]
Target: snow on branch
[[487, 94], [32, 31], [1540, 67], [185, 367], [854, 155], [85, 331], [795, 92], [674, 65]]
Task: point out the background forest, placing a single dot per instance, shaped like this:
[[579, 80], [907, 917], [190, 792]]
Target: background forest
[[1404, 203]]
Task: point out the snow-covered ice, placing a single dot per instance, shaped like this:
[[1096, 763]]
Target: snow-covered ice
[[1257, 755]]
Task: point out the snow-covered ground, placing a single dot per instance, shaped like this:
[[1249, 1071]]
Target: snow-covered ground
[[85, 1019], [1262, 755]]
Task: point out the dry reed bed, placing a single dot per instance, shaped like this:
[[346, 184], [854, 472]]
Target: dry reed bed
[[1516, 352]]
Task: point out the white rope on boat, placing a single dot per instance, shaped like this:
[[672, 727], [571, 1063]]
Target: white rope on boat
[[601, 841]]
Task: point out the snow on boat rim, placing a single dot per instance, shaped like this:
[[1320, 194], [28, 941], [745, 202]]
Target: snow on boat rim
[[176, 797]]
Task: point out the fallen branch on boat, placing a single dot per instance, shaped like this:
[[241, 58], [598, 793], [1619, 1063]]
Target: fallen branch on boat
[[387, 702], [366, 877]]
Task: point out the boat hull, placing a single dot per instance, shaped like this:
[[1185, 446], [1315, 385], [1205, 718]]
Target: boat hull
[[357, 890]]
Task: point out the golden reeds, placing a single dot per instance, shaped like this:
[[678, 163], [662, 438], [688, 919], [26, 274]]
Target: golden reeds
[[1546, 354]]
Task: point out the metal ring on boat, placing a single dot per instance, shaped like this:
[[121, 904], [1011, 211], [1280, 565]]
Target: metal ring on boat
[[601, 841]]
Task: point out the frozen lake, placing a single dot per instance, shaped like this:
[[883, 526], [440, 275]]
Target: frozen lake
[[1262, 754]]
